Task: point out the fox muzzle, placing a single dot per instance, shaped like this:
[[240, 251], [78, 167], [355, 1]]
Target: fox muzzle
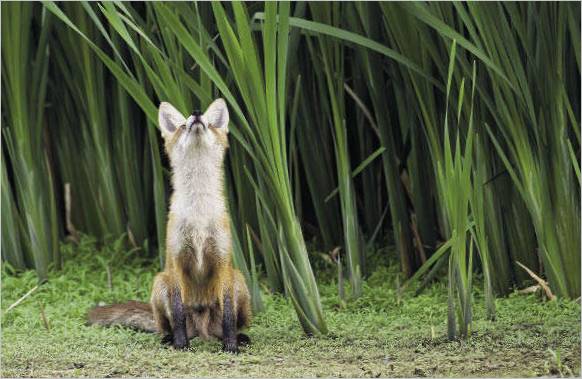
[[195, 119]]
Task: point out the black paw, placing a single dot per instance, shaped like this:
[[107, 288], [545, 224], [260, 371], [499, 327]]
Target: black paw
[[180, 342], [230, 347], [243, 339], [167, 339]]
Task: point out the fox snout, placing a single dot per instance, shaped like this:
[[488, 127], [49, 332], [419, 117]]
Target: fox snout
[[195, 122]]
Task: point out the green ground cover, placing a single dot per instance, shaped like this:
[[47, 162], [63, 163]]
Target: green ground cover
[[380, 334]]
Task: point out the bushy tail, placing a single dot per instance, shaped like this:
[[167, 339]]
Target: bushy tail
[[133, 314]]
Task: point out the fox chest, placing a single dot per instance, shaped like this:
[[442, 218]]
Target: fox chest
[[198, 255], [196, 236], [197, 247]]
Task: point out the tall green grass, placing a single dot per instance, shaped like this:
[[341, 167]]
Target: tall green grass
[[341, 114], [331, 82], [31, 224]]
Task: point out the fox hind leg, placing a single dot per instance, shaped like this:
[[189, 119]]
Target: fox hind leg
[[160, 302]]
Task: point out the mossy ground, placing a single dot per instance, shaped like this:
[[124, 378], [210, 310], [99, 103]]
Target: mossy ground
[[379, 334]]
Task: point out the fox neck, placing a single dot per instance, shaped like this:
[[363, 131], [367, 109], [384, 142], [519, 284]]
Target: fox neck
[[198, 196]]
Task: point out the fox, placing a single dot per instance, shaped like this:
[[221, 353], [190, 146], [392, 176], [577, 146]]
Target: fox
[[199, 293]]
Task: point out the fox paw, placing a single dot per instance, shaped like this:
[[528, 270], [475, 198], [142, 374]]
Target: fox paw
[[180, 343], [168, 339], [243, 339], [230, 347]]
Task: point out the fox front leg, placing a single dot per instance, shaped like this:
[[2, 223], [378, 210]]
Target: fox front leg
[[229, 332], [179, 330]]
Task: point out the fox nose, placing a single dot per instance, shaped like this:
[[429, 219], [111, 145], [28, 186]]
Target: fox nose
[[197, 116]]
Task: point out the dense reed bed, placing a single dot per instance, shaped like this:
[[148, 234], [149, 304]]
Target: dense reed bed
[[448, 131]]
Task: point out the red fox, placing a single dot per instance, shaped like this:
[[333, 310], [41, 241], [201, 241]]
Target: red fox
[[199, 293]]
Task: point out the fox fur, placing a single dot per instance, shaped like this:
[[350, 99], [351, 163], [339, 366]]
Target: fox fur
[[199, 293]]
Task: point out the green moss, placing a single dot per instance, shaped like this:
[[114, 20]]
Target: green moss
[[376, 335]]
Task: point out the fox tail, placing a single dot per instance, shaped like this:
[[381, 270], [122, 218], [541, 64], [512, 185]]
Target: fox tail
[[133, 314]]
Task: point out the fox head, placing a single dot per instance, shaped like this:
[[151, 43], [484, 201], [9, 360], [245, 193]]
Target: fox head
[[198, 136]]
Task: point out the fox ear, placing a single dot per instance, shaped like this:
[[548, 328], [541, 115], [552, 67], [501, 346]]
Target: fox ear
[[217, 115], [169, 118]]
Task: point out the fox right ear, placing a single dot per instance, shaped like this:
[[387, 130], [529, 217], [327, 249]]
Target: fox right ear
[[170, 119]]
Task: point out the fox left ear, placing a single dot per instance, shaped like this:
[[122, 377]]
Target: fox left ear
[[169, 119], [217, 115]]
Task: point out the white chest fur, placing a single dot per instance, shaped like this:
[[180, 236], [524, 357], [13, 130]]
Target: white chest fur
[[198, 205]]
